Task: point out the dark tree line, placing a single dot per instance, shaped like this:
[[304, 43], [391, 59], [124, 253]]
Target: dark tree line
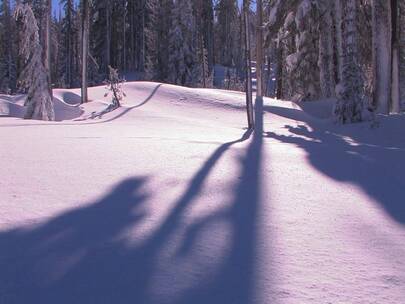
[[348, 50], [138, 37]]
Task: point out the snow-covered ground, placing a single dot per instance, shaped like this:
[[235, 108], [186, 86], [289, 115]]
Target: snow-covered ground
[[170, 200]]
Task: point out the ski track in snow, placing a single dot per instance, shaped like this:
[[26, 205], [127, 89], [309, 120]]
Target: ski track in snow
[[170, 200]]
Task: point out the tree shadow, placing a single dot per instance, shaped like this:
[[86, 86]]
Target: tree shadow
[[125, 111], [74, 257], [234, 279], [77, 112], [83, 256], [353, 155]]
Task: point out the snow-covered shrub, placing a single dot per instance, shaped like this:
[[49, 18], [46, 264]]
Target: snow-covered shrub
[[114, 86]]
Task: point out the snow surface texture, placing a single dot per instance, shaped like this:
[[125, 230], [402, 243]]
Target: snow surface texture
[[169, 200]]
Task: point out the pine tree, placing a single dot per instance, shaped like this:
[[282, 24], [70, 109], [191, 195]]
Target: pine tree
[[151, 40], [349, 106], [164, 24], [8, 64], [226, 29], [34, 77], [183, 61], [101, 34], [326, 48], [68, 32]]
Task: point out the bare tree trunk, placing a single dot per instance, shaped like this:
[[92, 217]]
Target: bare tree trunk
[[326, 66], [385, 56], [124, 42], [339, 47], [143, 48], [47, 46], [132, 35], [69, 51], [395, 93], [382, 61], [201, 43], [279, 75], [259, 49], [85, 49], [108, 37], [249, 97]]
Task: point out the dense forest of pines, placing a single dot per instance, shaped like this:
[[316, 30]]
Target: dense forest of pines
[[312, 49]]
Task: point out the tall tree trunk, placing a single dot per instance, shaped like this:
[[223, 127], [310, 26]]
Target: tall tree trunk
[[124, 38], [279, 70], [47, 46], [259, 49], [108, 37], [326, 65], [382, 60], [395, 91], [201, 42], [249, 97], [385, 56], [338, 33], [69, 44], [349, 106], [132, 34], [85, 49]]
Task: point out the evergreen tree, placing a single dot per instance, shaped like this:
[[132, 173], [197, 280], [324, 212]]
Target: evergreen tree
[[151, 39], [8, 64], [68, 32], [34, 77], [183, 63], [226, 29], [349, 106]]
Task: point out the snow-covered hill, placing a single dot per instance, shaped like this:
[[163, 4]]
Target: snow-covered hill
[[170, 199]]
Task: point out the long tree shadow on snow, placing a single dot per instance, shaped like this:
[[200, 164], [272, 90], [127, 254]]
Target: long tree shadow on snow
[[76, 110], [76, 257], [234, 280], [128, 109], [82, 256], [347, 155]]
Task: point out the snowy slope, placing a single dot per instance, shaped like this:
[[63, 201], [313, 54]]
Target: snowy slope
[[170, 200]]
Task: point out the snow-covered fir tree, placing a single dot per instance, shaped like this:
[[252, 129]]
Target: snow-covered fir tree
[[67, 45], [159, 41], [34, 76], [151, 39], [8, 62], [350, 104], [183, 62], [326, 64]]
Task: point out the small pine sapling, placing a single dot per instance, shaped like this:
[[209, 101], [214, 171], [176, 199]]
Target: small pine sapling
[[114, 85]]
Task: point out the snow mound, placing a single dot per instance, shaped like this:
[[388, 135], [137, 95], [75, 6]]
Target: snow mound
[[12, 105], [138, 94], [321, 109]]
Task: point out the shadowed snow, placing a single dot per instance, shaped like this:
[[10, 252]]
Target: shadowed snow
[[169, 199]]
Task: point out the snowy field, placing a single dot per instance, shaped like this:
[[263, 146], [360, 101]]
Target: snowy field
[[169, 200]]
